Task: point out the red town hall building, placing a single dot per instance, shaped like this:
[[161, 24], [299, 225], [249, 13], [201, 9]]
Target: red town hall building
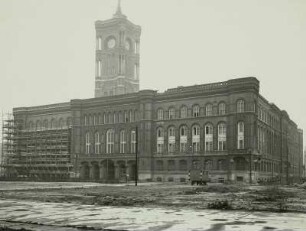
[[227, 128]]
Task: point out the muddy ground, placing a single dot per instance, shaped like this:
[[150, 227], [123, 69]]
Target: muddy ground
[[212, 196]]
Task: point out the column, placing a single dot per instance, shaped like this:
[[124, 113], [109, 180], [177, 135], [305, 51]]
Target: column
[[116, 171], [102, 172], [91, 171]]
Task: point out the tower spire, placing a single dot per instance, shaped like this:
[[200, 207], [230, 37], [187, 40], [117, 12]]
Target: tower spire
[[118, 13], [119, 7]]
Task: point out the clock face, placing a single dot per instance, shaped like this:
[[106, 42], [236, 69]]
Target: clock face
[[127, 45], [111, 43]]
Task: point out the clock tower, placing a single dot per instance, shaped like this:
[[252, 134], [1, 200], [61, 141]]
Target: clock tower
[[117, 56]]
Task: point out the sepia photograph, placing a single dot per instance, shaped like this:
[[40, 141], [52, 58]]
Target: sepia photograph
[[152, 115]]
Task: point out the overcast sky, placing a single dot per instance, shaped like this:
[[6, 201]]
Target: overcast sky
[[47, 47]]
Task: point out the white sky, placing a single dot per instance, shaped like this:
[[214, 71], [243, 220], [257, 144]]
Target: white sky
[[47, 47]]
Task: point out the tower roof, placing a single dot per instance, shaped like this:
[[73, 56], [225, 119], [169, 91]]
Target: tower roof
[[118, 13]]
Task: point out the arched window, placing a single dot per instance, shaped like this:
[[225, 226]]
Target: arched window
[[160, 140], [110, 117], [208, 109], [120, 117], [87, 142], [61, 123], [69, 122], [221, 108], [97, 143], [122, 141], [31, 126], [95, 120], [183, 139], [240, 106], [99, 68], [208, 137], [53, 124], [100, 119], [133, 141], [85, 120], [196, 138], [160, 114], [110, 141], [114, 118], [45, 125], [240, 135], [171, 113], [183, 112], [38, 125], [89, 120], [196, 111], [221, 136], [126, 117], [104, 118], [99, 43], [136, 115], [171, 139], [131, 116]]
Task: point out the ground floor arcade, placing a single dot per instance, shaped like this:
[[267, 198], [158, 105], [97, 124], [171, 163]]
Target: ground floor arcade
[[107, 170]]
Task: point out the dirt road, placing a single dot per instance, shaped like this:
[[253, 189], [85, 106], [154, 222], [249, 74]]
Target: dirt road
[[150, 203], [64, 216]]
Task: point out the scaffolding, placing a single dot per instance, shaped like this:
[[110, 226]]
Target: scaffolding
[[8, 144], [37, 154]]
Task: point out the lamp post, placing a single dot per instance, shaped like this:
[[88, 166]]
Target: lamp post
[[250, 153], [136, 156]]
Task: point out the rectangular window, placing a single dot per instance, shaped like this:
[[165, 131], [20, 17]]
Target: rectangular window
[[196, 111], [171, 113], [133, 142], [131, 116], [160, 148], [184, 112], [110, 141], [160, 114], [183, 147], [87, 141], [196, 146], [171, 147], [221, 145], [97, 143], [240, 136], [122, 142], [208, 146]]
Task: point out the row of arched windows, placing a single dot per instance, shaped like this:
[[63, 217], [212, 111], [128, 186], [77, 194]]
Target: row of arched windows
[[111, 117], [194, 146], [93, 142], [49, 124], [183, 113]]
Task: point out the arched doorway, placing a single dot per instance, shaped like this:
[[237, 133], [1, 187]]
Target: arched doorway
[[131, 170], [122, 171], [84, 171], [108, 168], [95, 171]]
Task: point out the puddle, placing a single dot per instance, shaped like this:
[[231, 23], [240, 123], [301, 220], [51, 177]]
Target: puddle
[[268, 228]]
